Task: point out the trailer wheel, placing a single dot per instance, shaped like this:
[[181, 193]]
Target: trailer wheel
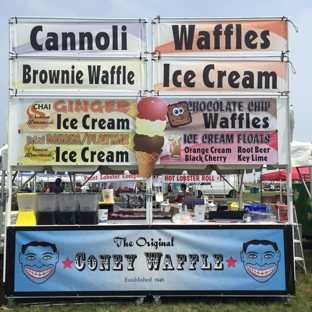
[[232, 194], [199, 194]]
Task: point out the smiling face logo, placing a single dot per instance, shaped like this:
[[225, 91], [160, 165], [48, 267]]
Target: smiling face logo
[[178, 114], [38, 261], [260, 259]]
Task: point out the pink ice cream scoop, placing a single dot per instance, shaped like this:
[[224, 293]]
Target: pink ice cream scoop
[[152, 108]]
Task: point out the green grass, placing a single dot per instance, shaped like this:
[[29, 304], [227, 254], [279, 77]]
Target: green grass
[[301, 302]]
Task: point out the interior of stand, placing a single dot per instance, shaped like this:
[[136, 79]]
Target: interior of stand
[[158, 170]]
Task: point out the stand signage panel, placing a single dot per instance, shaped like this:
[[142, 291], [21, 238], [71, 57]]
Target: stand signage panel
[[82, 114], [83, 74], [84, 37], [119, 260], [200, 76], [222, 131], [207, 36], [75, 148]]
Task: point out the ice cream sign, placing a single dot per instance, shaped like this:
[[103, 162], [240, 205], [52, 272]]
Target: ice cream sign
[[226, 77], [170, 131], [76, 114], [221, 131], [76, 131]]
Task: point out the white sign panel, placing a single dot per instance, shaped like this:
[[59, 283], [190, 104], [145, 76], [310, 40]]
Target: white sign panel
[[82, 74], [191, 76], [84, 37], [98, 177], [207, 36]]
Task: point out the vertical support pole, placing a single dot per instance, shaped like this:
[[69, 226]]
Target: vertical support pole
[[149, 200], [289, 174], [310, 168]]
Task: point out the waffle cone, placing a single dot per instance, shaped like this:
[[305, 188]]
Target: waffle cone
[[146, 163]]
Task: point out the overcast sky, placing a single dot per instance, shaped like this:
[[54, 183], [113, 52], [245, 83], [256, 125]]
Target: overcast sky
[[300, 43]]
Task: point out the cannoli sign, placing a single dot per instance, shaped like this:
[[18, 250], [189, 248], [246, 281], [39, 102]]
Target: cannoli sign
[[83, 37]]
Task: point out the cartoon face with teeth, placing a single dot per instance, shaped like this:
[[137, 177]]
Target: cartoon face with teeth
[[261, 259], [38, 260]]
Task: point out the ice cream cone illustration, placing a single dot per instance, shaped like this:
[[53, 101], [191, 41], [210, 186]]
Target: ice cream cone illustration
[[149, 136], [146, 163]]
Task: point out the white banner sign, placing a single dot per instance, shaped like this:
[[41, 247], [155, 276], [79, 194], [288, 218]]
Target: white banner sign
[[98, 177], [208, 36], [193, 178], [87, 37], [224, 77], [55, 74]]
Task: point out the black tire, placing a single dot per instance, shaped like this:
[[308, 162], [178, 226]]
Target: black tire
[[199, 194], [232, 194]]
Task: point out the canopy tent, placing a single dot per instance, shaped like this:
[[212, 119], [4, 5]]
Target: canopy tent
[[280, 175]]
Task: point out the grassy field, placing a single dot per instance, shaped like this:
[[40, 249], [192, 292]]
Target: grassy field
[[301, 302]]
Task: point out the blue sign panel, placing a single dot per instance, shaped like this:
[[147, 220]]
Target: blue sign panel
[[153, 260]]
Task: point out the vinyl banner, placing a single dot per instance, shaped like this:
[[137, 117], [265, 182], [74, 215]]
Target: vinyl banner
[[221, 131], [221, 36], [215, 114], [109, 115], [235, 147], [79, 148], [196, 131], [224, 77], [223, 260], [169, 178], [84, 37], [69, 74], [98, 177]]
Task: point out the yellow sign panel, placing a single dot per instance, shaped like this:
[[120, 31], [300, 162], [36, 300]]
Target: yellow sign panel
[[76, 149]]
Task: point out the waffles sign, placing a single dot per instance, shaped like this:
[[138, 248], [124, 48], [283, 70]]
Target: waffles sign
[[204, 36]]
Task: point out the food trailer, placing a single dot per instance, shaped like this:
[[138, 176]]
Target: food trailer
[[89, 95]]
